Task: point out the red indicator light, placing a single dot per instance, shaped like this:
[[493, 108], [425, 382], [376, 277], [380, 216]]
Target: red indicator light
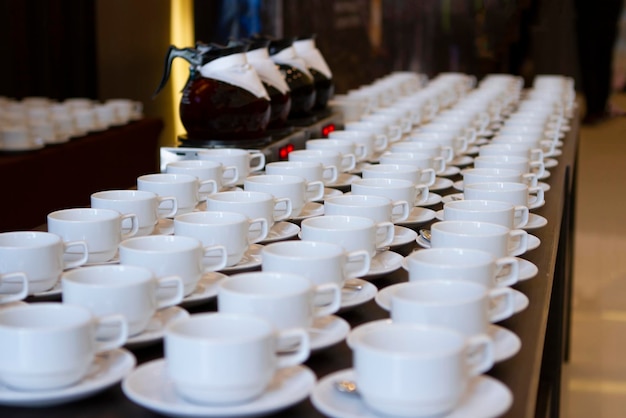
[[283, 152], [328, 129]]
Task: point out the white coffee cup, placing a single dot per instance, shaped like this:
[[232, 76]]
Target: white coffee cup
[[329, 158], [182, 256], [378, 208], [345, 148], [295, 188], [101, 229], [351, 232], [13, 287], [50, 346], [39, 256], [489, 175], [394, 189], [128, 290], [252, 204], [497, 212], [462, 264], [409, 172], [246, 161], [320, 262], [519, 150], [184, 187], [379, 129], [496, 239], [393, 123], [456, 128], [144, 204], [521, 164], [223, 359], [463, 306], [351, 109], [373, 144], [125, 109], [445, 139], [204, 170], [310, 170], [414, 370], [417, 159], [424, 147], [235, 231], [285, 300], [19, 138], [515, 193], [547, 146]]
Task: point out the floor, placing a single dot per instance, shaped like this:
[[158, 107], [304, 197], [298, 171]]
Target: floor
[[594, 380]]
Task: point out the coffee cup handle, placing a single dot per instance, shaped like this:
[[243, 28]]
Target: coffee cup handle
[[385, 233], [518, 242], [348, 162], [395, 133], [381, 143], [461, 144], [547, 147], [134, 225], [253, 239], [360, 152], [530, 179], [230, 176], [213, 251], [22, 279], [538, 168], [507, 271], [502, 304], [538, 194], [536, 154], [520, 216], [403, 213], [358, 264], [427, 176], [287, 208], [172, 211], [314, 191], [300, 354], [168, 282], [83, 258], [330, 174], [447, 153], [480, 354], [260, 163], [334, 305], [439, 164], [421, 193], [118, 322], [211, 186]]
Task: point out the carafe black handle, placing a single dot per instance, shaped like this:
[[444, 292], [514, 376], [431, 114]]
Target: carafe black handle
[[189, 54]]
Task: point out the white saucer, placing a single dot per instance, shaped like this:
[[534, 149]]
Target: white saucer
[[458, 185], [433, 199], [51, 294], [462, 160], [330, 192], [154, 331], [527, 270], [550, 162], [418, 215], [533, 242], [439, 215], [351, 298], [17, 303], [450, 170], [149, 386], [164, 226], [535, 221], [557, 153], [309, 210], [282, 231], [327, 331], [441, 183], [384, 263], [544, 186], [343, 180], [402, 236], [506, 343], [546, 174], [452, 197], [422, 242], [472, 150], [358, 169], [205, 290], [251, 259], [107, 370], [485, 397], [486, 132], [383, 298]]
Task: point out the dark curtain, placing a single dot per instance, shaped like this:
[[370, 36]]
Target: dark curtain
[[48, 48]]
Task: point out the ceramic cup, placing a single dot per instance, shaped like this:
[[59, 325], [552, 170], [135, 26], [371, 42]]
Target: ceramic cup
[[412, 173], [548, 147], [462, 264], [145, 205], [518, 194], [521, 164], [417, 159], [413, 370], [458, 144], [351, 232], [233, 230], [429, 148], [378, 208], [246, 161], [379, 129], [37, 255], [343, 147], [466, 307], [329, 158], [496, 239], [295, 188], [394, 189], [223, 359], [50, 346], [184, 187], [310, 170], [204, 170], [129, 290], [181, 256], [285, 300], [13, 287], [519, 150], [252, 204], [373, 144], [497, 212], [101, 229], [489, 175]]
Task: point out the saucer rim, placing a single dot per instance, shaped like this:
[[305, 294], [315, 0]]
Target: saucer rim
[[150, 337], [373, 289]]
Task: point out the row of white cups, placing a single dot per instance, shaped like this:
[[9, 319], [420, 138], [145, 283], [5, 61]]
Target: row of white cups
[[224, 362], [34, 122]]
